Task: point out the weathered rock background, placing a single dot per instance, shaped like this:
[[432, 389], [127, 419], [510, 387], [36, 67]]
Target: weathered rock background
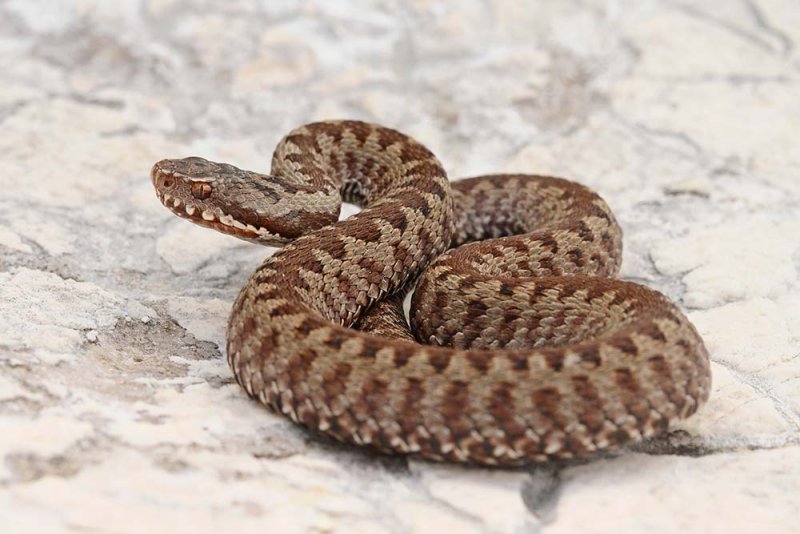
[[117, 410]]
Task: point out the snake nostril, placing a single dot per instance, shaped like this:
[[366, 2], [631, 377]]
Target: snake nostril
[[167, 183]]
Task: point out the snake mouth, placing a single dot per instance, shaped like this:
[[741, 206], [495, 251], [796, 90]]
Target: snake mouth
[[217, 219]]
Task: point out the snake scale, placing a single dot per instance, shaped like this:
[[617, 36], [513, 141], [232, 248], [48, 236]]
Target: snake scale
[[533, 350]]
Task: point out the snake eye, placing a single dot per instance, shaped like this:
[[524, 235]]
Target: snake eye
[[201, 191]]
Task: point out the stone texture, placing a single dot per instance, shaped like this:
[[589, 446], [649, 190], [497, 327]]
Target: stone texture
[[117, 410]]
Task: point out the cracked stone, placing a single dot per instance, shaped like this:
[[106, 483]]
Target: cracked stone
[[117, 406]]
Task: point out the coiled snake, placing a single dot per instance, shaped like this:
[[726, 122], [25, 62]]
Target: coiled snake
[[535, 351]]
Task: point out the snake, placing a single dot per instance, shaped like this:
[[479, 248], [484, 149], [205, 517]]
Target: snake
[[521, 344]]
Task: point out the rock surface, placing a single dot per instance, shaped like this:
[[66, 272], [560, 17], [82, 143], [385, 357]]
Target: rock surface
[[117, 410]]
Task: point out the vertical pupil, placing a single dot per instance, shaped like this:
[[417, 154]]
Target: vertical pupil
[[201, 191]]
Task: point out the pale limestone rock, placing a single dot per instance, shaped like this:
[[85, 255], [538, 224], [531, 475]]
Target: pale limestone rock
[[492, 496], [281, 60], [204, 319], [11, 240], [683, 115], [76, 162], [44, 314], [49, 234], [732, 492], [418, 515], [46, 435], [750, 336], [187, 247], [681, 44], [189, 417], [730, 261], [758, 122], [740, 413], [11, 389]]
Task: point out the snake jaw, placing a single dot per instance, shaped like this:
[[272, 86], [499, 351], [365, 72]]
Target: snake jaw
[[187, 186]]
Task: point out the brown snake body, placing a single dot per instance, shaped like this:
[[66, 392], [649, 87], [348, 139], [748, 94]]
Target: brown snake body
[[535, 352]]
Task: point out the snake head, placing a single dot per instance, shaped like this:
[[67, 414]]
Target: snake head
[[245, 204]]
